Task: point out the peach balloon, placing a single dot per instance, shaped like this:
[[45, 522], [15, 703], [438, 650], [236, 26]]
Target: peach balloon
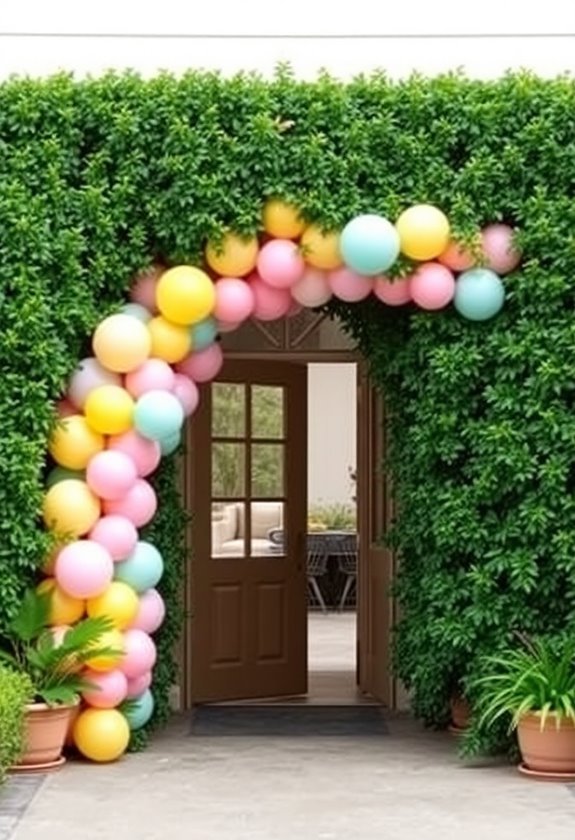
[[456, 257], [321, 249], [233, 256], [313, 289], [393, 292]]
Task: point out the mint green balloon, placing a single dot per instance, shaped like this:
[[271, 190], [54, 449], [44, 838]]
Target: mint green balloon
[[142, 569], [139, 711], [479, 294], [170, 444], [63, 474], [158, 415]]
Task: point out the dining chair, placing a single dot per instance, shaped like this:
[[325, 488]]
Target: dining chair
[[344, 547], [316, 566]]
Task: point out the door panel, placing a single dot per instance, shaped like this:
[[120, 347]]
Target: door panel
[[375, 606], [249, 612]]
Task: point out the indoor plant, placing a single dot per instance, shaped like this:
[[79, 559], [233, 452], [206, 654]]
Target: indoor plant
[[52, 664], [534, 687]]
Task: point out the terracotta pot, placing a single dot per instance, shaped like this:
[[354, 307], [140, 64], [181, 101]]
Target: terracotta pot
[[45, 729], [460, 712], [551, 750]]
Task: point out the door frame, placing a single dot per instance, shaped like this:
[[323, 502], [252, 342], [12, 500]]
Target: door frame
[[366, 513]]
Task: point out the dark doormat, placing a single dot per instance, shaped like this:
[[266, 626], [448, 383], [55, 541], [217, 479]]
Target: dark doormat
[[320, 721]]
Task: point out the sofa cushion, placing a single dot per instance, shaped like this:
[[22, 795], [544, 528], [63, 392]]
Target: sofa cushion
[[265, 515], [236, 548]]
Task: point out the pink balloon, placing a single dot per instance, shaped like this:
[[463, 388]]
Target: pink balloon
[[89, 375], [501, 254], [153, 375], [202, 365], [280, 263], [394, 292], [64, 408], [234, 300], [145, 454], [117, 534], [140, 653], [138, 685], [84, 569], [456, 257], [110, 688], [110, 474], [187, 393], [349, 286], [432, 286], [151, 612], [294, 309], [270, 303], [138, 505], [313, 289], [144, 289], [227, 326]]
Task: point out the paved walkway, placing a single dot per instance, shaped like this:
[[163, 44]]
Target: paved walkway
[[405, 786]]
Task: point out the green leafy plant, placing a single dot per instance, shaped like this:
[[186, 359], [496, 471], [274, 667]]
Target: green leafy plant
[[537, 678], [336, 516], [480, 423], [53, 666], [15, 691]]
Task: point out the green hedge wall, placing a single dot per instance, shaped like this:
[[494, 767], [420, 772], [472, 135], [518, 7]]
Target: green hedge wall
[[99, 177]]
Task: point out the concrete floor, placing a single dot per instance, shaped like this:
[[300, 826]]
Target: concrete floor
[[405, 786], [408, 785]]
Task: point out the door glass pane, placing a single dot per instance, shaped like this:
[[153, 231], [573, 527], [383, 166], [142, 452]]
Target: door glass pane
[[228, 410], [228, 469], [228, 536], [267, 469], [267, 411], [267, 529]]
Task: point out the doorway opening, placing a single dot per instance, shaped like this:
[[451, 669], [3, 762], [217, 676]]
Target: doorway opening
[[282, 598]]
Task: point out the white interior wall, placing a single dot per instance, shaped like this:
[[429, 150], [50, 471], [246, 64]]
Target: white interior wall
[[484, 39], [331, 432]]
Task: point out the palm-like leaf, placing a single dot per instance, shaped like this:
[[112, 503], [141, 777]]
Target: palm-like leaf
[[539, 678], [54, 667]]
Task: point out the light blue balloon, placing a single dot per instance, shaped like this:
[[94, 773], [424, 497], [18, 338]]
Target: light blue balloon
[[64, 474], [369, 244], [136, 310], [139, 711], [479, 294], [203, 333], [170, 444], [142, 569], [158, 415]]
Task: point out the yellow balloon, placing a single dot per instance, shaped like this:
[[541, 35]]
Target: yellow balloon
[[121, 343], [119, 602], [234, 256], [73, 443], [70, 508], [101, 734], [109, 410], [321, 249], [423, 231], [282, 220], [105, 662], [185, 295], [63, 608], [170, 342]]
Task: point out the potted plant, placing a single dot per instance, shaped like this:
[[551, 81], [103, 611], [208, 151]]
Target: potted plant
[[534, 687], [52, 664], [15, 690]]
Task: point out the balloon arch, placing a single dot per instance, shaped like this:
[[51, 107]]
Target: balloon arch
[[125, 406]]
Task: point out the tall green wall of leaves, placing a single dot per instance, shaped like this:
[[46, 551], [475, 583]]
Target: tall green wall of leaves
[[99, 177]]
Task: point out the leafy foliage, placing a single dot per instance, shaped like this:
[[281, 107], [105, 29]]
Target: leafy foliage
[[15, 691], [99, 177], [538, 677], [52, 665]]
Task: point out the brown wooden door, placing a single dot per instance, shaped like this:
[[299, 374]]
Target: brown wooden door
[[375, 607], [249, 611]]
